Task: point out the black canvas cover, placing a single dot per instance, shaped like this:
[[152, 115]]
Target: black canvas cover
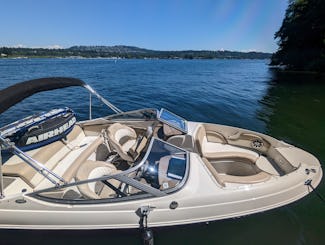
[[18, 92]]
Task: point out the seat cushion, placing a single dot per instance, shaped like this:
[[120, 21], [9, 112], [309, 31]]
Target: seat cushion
[[48, 155], [252, 179], [122, 138], [81, 156], [96, 169], [226, 178], [214, 150]]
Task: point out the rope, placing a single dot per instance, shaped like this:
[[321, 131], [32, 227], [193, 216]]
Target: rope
[[308, 183]]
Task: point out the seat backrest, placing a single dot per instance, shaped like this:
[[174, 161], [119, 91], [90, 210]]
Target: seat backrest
[[182, 141], [122, 138], [200, 137], [74, 166], [162, 169], [169, 131], [95, 169], [49, 155]]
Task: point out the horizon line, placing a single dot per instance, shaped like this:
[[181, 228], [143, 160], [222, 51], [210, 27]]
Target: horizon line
[[57, 46]]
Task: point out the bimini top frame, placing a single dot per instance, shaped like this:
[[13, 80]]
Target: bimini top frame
[[20, 91]]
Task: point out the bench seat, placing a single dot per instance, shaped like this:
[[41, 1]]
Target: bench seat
[[49, 155]]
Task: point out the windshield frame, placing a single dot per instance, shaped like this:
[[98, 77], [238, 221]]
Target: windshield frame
[[183, 130], [119, 116], [149, 191]]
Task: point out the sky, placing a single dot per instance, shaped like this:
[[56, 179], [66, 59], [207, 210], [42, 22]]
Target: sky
[[241, 25]]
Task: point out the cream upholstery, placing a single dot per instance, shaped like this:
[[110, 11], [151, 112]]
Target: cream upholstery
[[124, 140], [169, 131], [199, 138], [226, 178], [251, 179], [72, 169], [213, 171], [68, 166], [182, 141], [76, 133], [16, 167], [213, 150], [95, 169], [217, 151], [162, 169], [264, 164], [232, 153], [49, 155]]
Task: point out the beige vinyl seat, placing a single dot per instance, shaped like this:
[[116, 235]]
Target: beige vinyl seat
[[124, 140], [49, 155], [227, 163], [222, 179], [96, 169], [213, 150]]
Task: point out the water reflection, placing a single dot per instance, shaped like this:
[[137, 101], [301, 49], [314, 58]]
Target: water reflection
[[293, 109]]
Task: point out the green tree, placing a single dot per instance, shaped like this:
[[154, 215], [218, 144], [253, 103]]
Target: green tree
[[5, 50], [301, 38]]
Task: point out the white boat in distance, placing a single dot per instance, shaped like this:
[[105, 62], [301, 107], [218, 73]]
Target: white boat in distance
[[117, 171]]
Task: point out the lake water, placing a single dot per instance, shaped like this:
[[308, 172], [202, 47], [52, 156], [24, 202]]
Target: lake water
[[242, 93]]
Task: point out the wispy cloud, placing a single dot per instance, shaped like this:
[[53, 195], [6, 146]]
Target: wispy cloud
[[54, 46], [248, 50], [19, 46]]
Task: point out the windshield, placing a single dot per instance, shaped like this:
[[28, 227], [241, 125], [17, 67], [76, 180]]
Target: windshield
[[143, 114], [173, 120], [163, 170], [165, 166]]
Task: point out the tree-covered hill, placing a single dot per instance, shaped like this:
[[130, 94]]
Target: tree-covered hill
[[121, 51], [301, 38]]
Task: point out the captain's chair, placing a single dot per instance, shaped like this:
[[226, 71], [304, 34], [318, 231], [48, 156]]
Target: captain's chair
[[124, 140], [95, 169]]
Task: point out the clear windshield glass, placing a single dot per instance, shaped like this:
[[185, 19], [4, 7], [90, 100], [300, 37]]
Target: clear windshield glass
[[173, 120], [165, 166], [144, 114]]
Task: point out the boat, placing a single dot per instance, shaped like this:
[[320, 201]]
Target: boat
[[139, 168]]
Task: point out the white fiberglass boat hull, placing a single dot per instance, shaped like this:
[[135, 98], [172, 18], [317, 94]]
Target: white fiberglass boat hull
[[201, 199], [111, 172]]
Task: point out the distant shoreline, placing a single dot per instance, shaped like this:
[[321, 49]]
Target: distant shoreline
[[122, 58], [125, 52]]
